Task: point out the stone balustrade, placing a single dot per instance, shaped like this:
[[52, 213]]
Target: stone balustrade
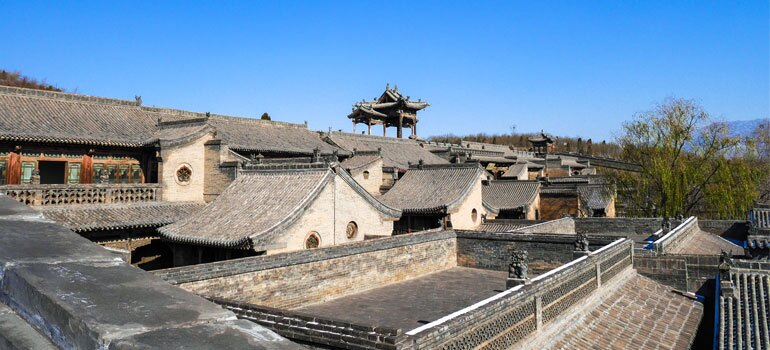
[[63, 194]]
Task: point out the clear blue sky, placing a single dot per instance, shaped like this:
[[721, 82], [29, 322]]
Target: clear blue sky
[[577, 68]]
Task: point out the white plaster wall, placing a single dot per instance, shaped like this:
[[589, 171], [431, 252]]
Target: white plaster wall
[[372, 185], [173, 157], [329, 214], [461, 217], [534, 209]]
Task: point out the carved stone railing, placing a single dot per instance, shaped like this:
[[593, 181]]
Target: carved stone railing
[[82, 193]]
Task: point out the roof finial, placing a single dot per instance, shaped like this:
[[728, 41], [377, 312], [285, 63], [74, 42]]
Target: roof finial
[[395, 88], [387, 86], [138, 99]]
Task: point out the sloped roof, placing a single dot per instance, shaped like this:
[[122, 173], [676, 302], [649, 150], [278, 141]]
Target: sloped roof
[[744, 318], [626, 315], [515, 170], [397, 153], [90, 217], [705, 243], [595, 197], [46, 116], [499, 227], [508, 194], [247, 134], [259, 205], [433, 189]]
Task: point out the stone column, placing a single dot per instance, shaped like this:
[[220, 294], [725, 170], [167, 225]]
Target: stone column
[[399, 130], [384, 129]]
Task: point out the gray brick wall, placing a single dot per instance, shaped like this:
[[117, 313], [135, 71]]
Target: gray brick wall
[[492, 251]]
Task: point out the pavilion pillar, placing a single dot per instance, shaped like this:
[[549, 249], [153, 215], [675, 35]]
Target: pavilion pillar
[[354, 126], [369, 125], [384, 129], [414, 129], [399, 131]]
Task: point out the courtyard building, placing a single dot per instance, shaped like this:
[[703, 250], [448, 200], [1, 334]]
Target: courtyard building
[[439, 196], [272, 208]]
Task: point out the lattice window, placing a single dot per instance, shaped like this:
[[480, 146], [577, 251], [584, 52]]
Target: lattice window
[[183, 174], [312, 240], [351, 230]]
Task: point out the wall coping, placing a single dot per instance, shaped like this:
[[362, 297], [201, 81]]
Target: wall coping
[[548, 276], [193, 273]]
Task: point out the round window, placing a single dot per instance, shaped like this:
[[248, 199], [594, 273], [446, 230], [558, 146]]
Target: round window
[[352, 230], [183, 174], [312, 241], [474, 215]]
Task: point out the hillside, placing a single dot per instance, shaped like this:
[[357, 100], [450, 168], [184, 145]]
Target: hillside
[[16, 79]]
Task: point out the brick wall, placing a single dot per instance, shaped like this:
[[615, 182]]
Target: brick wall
[[683, 272], [730, 229], [190, 155], [492, 251], [555, 207], [291, 280], [564, 226], [217, 176], [670, 271]]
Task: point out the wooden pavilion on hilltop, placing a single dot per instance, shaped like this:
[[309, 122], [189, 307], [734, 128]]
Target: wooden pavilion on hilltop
[[390, 109]]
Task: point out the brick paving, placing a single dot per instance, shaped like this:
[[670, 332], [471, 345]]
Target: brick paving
[[641, 314], [412, 303]]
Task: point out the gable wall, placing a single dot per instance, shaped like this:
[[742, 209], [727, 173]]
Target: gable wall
[[336, 206], [461, 217], [192, 154], [373, 184]]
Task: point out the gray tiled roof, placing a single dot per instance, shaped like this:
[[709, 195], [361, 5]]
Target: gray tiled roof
[[256, 207], [515, 170], [90, 217], [596, 196], [397, 153], [745, 317], [255, 135], [509, 195], [44, 116], [433, 189], [499, 227]]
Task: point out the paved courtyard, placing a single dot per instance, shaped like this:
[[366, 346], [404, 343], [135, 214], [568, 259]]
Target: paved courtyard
[[412, 303]]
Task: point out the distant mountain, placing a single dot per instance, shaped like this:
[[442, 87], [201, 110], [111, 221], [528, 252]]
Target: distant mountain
[[744, 128]]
